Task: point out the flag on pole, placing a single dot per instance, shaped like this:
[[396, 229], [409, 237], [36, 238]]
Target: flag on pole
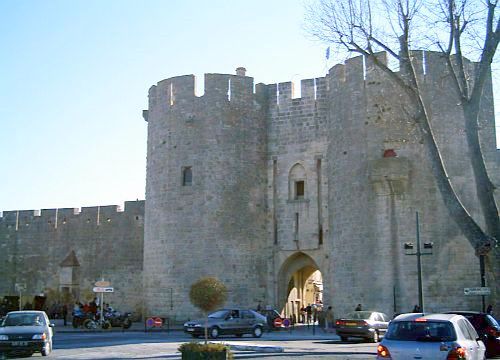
[[327, 54]]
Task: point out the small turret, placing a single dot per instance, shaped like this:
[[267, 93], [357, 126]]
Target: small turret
[[241, 71]]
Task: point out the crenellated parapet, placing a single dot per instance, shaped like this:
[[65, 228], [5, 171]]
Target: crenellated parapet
[[54, 218], [180, 90]]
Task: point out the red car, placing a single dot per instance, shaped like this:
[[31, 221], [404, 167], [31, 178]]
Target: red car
[[487, 328]]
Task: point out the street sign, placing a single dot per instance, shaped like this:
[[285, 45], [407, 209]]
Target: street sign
[[101, 289], [286, 322], [278, 322], [158, 322], [102, 283], [477, 291], [20, 287]]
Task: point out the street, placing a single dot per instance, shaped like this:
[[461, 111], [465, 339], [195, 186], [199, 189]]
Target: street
[[163, 345]]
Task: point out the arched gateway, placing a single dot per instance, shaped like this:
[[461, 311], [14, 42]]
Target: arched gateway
[[300, 283]]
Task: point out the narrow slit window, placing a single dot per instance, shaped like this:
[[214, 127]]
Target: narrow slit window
[[296, 224], [187, 176], [299, 189]]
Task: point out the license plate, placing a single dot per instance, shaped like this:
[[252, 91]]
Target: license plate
[[190, 329], [351, 324], [19, 343]]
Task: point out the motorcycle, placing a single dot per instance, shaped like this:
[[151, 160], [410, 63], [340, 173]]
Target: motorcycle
[[82, 319], [116, 319]]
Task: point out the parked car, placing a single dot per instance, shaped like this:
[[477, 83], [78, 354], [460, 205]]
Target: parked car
[[487, 328], [232, 321], [433, 336], [370, 325], [26, 332]]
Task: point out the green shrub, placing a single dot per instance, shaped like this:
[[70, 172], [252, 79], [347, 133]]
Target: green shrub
[[208, 294], [204, 351], [202, 347]]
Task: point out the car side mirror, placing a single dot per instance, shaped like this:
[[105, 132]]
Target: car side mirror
[[52, 325]]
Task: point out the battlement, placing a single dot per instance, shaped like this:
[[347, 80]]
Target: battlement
[[430, 65], [236, 89], [94, 214], [181, 89]]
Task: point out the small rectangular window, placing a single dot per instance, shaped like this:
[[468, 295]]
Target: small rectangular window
[[299, 189], [187, 176]]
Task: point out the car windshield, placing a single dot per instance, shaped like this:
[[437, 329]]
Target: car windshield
[[359, 315], [221, 314], [23, 320], [421, 331]]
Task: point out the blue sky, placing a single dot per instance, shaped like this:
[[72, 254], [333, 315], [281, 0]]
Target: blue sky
[[74, 78]]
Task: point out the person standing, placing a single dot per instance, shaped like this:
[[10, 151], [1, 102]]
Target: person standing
[[308, 314], [358, 308], [64, 313]]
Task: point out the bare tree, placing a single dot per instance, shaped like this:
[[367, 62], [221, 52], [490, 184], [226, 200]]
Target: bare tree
[[456, 29]]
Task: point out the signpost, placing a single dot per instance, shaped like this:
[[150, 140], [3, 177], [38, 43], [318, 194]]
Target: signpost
[[20, 287], [278, 322], [102, 287], [477, 291]]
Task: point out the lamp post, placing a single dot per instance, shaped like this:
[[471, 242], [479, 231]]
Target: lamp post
[[409, 250]]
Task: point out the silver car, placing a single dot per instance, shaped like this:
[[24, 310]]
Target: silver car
[[369, 325], [431, 337], [232, 321], [26, 332]]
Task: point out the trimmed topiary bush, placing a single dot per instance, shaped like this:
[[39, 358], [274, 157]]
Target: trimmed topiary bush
[[208, 294], [199, 351]]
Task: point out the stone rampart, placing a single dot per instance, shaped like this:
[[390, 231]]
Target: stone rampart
[[107, 243]]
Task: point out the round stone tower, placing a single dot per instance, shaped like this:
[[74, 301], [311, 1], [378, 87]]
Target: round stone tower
[[205, 191]]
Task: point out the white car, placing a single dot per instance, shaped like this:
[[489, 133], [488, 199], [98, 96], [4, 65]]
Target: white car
[[431, 337]]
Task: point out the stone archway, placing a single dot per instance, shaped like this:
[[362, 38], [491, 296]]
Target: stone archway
[[300, 283]]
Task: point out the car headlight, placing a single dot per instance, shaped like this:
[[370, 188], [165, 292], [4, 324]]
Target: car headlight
[[39, 336], [4, 337]]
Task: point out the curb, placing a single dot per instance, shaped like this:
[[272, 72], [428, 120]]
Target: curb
[[256, 348]]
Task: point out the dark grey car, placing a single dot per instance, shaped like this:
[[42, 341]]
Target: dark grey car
[[26, 332], [370, 325], [232, 321]]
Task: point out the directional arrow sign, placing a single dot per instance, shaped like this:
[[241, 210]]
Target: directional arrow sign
[[101, 289], [477, 291]]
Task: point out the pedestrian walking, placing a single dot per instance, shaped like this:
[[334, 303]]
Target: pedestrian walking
[[489, 309]]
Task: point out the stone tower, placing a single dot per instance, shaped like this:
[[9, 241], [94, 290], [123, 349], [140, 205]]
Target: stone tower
[[206, 184], [264, 189]]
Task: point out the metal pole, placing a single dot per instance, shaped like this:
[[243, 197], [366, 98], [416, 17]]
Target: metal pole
[[483, 279], [419, 269]]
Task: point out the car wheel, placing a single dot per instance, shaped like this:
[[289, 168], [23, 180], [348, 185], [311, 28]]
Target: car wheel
[[257, 332], [375, 338], [89, 324], [46, 349], [343, 338], [127, 323], [214, 332]]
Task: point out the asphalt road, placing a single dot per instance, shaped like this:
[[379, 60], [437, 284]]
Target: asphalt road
[[162, 345]]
